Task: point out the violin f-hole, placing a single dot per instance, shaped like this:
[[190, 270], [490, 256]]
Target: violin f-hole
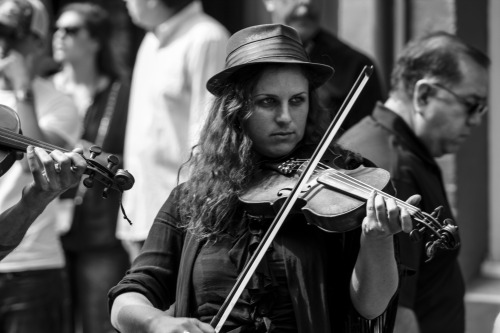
[[281, 194]]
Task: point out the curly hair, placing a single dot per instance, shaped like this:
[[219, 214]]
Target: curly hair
[[438, 55], [223, 162]]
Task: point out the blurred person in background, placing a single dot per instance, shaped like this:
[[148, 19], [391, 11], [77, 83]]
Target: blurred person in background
[[326, 48], [439, 89], [32, 277], [96, 260], [182, 49]]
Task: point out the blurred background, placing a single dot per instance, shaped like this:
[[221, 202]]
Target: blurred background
[[380, 28]]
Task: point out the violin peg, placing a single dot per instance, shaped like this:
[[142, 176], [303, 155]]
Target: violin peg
[[113, 161], [415, 236], [437, 212], [95, 151], [88, 182]]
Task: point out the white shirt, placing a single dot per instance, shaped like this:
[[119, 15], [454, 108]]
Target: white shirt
[[168, 104], [40, 247]]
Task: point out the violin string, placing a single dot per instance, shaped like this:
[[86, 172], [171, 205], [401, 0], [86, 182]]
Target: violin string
[[355, 183], [20, 142]]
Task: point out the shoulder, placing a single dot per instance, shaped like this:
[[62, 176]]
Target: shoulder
[[205, 27], [169, 213]]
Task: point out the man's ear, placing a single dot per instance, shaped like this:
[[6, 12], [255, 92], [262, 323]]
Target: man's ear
[[269, 4], [421, 95]]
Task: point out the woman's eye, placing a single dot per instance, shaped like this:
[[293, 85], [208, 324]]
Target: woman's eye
[[266, 102], [297, 100]]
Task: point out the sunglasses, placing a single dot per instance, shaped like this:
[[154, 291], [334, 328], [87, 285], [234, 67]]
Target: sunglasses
[[477, 108], [69, 31]]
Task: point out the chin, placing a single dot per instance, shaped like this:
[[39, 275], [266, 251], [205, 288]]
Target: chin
[[450, 150], [278, 152]]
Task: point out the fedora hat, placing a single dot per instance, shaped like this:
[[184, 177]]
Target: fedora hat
[[265, 44]]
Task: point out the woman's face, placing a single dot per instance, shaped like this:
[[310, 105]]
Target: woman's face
[[279, 111], [71, 40]]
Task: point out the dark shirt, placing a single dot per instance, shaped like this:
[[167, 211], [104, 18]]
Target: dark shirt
[[266, 301], [309, 273], [435, 292], [327, 49]]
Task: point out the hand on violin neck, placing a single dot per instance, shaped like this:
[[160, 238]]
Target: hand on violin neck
[[385, 218]]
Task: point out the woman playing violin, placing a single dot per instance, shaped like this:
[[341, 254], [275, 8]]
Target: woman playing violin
[[309, 280]]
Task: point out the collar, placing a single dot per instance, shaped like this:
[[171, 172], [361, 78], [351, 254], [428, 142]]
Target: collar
[[393, 123], [168, 28]]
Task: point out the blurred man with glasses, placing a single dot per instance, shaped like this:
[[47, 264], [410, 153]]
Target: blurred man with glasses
[[438, 95]]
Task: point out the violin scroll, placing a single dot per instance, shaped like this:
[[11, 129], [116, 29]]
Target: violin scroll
[[121, 180], [441, 235]]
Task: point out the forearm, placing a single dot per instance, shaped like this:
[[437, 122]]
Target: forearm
[[375, 277], [406, 321], [133, 312], [15, 221]]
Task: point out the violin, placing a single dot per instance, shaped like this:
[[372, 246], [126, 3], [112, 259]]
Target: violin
[[347, 189], [11, 141]]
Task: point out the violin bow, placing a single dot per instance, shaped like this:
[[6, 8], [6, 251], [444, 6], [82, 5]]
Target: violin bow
[[235, 293]]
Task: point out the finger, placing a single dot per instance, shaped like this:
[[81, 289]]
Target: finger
[[61, 161], [36, 168], [78, 150], [414, 200], [393, 212], [380, 208], [202, 327], [49, 166], [78, 162], [406, 221], [370, 205]]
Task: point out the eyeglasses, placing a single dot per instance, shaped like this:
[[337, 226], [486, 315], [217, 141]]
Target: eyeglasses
[[477, 108], [70, 31]]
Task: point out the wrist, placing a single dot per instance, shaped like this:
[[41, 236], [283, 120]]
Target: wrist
[[35, 198], [382, 244], [24, 94]]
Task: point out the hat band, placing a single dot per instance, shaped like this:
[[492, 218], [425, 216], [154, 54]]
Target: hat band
[[280, 48]]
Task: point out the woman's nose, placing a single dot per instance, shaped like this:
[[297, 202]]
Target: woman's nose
[[283, 114]]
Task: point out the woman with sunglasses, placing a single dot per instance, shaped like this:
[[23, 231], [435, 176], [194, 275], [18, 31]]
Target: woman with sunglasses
[[89, 74], [309, 280]]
